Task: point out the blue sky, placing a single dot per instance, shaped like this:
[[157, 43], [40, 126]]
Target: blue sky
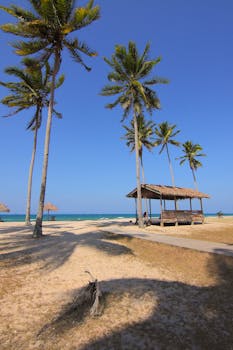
[[90, 167]]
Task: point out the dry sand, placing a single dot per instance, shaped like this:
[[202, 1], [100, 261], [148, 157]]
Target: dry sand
[[154, 296]]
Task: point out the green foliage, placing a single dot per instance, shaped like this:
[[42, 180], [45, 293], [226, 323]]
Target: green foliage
[[31, 89], [145, 135], [165, 135], [48, 27], [191, 151], [129, 80]]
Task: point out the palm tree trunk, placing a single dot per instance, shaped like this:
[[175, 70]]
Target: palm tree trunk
[[39, 218], [28, 209], [139, 193], [194, 178], [143, 173], [170, 166], [144, 181]]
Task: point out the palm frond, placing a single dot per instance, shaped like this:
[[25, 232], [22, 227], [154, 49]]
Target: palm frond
[[30, 47], [109, 90], [16, 111], [113, 104], [57, 114], [74, 47], [83, 16], [18, 12], [155, 81], [60, 81]]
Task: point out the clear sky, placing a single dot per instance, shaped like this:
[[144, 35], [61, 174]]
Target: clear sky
[[90, 167]]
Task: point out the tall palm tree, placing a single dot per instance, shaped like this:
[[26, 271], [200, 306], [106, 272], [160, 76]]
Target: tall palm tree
[[165, 135], [30, 90], [191, 151], [129, 80], [47, 30], [145, 137]]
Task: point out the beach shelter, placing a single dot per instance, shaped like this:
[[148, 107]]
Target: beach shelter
[[3, 208], [50, 207], [171, 193]]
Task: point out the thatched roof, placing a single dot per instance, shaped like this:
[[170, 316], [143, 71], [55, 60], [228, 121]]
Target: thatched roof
[[167, 192], [3, 208], [50, 206]]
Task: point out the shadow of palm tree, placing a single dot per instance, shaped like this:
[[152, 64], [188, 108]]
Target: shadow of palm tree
[[9, 229], [54, 249], [115, 222], [185, 316], [182, 317]]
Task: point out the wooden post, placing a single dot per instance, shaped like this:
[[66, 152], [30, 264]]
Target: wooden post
[[201, 205], [190, 201], [161, 206], [136, 210], [175, 204], [150, 207], [161, 211], [164, 204]]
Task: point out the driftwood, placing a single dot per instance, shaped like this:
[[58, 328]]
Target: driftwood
[[88, 301], [95, 294]]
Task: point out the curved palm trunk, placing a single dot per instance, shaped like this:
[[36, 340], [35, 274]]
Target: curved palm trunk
[[144, 181], [39, 218], [139, 193], [170, 166], [28, 208], [143, 172], [194, 178]]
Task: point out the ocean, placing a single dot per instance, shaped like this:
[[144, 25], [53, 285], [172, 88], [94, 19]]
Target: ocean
[[79, 217], [66, 217]]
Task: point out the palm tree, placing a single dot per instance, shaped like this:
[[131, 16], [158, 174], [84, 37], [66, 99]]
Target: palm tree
[[165, 136], [191, 151], [47, 30], [128, 79], [145, 137], [31, 90]]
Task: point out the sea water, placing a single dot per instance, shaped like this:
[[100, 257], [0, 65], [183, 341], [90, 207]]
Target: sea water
[[66, 217], [79, 217]]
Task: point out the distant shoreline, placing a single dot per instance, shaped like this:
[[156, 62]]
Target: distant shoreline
[[84, 217]]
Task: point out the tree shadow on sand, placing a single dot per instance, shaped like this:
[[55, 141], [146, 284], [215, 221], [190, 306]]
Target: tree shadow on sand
[[9, 229], [117, 223], [182, 316], [54, 249]]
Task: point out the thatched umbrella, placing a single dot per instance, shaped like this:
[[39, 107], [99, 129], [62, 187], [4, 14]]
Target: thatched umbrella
[[3, 208], [50, 206]]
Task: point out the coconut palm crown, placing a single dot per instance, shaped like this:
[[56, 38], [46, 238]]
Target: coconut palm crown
[[47, 28], [31, 90], [145, 137], [130, 81], [165, 133], [191, 151], [47, 32]]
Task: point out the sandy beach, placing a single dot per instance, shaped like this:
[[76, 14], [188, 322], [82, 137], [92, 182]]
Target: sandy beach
[[154, 296]]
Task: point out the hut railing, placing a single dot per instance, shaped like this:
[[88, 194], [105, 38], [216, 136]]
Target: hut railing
[[181, 216]]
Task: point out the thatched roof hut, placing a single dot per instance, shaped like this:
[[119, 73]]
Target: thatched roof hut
[[167, 192], [50, 207], [164, 193], [4, 208]]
